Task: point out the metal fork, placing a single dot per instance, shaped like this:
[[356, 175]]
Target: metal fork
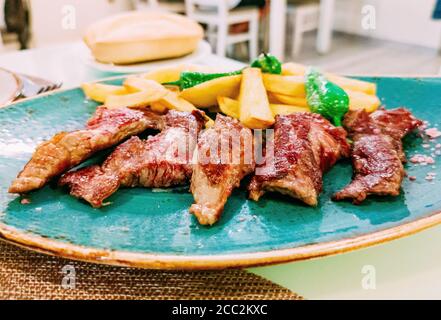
[[33, 86]]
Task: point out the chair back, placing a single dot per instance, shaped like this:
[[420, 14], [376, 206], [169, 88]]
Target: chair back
[[196, 7]]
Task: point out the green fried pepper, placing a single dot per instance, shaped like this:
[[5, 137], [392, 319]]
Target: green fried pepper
[[266, 62], [190, 79], [325, 97]]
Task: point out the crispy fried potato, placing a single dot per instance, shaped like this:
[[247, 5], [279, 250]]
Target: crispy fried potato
[[205, 94], [170, 74], [229, 107], [357, 100], [283, 109], [288, 85], [144, 93], [135, 83], [158, 107], [173, 101], [99, 91], [278, 98], [133, 100], [360, 100], [354, 84], [295, 69], [254, 107]]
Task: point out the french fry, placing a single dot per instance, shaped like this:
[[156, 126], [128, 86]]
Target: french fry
[[360, 100], [205, 94], [170, 74], [132, 100], [230, 107], [173, 101], [278, 98], [146, 92], [354, 84], [295, 69], [288, 85], [254, 107], [357, 100], [136, 83], [99, 91], [283, 109], [158, 107]]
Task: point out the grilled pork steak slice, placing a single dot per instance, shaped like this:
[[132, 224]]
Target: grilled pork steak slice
[[162, 160], [224, 156], [305, 145], [65, 150], [377, 152]]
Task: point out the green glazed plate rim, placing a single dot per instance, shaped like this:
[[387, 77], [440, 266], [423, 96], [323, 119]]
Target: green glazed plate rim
[[210, 262], [44, 245]]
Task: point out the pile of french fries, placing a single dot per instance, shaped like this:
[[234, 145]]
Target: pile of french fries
[[253, 97]]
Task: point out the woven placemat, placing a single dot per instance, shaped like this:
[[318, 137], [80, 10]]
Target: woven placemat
[[29, 275]]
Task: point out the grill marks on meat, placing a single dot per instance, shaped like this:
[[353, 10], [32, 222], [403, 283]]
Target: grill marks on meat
[[223, 158], [305, 145], [67, 149], [163, 160], [378, 168], [377, 152]]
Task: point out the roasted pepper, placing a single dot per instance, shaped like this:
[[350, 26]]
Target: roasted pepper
[[268, 63], [190, 79], [325, 97]]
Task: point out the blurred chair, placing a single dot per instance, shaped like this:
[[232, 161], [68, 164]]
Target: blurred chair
[[302, 17], [173, 6], [15, 21], [221, 17]]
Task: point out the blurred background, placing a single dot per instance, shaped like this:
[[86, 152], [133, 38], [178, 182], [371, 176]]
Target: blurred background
[[348, 36]]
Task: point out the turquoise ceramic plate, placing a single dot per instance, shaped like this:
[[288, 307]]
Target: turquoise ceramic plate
[[148, 228]]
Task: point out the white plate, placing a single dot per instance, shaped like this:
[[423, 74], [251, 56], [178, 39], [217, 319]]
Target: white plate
[[10, 87], [202, 51]]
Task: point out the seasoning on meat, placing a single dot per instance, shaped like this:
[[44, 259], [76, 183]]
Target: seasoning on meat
[[65, 150], [377, 152], [305, 145], [224, 157], [160, 161]]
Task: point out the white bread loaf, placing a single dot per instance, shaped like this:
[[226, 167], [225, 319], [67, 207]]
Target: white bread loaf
[[140, 36]]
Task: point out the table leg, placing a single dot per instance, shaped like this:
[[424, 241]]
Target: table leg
[[277, 25], [325, 25]]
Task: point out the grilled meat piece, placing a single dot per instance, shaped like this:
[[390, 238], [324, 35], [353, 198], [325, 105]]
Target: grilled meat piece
[[305, 145], [377, 152], [65, 150], [224, 156], [160, 161]]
